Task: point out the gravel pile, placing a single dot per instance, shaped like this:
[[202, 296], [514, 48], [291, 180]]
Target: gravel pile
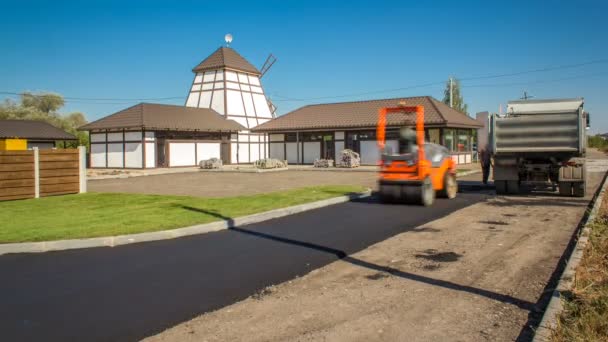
[[270, 163], [348, 158], [323, 163], [212, 163]]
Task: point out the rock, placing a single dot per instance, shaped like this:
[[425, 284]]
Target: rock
[[348, 158], [213, 163], [323, 163], [270, 163]]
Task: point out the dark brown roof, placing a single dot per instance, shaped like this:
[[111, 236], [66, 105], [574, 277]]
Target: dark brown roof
[[226, 57], [365, 114], [153, 116], [29, 129]]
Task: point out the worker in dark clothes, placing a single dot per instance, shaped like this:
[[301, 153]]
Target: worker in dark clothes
[[485, 157]]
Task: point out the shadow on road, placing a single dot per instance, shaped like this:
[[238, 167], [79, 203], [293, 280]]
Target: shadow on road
[[393, 271]]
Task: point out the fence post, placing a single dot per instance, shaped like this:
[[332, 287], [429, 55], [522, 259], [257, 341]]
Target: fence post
[[82, 168], [36, 173]]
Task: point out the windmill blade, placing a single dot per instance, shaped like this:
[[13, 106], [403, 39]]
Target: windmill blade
[[273, 108], [269, 62]]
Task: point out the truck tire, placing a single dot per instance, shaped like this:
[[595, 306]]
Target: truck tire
[[501, 187], [513, 187], [450, 186], [578, 189], [565, 188]]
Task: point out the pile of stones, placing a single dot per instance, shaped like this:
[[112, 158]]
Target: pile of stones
[[323, 163], [270, 163], [349, 159], [213, 163]]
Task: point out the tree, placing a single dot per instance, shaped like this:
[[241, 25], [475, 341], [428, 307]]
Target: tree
[[45, 107], [457, 100]]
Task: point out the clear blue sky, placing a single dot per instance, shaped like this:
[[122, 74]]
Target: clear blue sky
[[146, 49]]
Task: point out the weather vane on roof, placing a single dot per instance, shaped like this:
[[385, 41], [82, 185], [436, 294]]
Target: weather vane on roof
[[228, 39]]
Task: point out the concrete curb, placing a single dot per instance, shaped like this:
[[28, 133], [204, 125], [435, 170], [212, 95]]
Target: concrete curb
[[566, 281], [246, 170], [111, 241], [466, 173]]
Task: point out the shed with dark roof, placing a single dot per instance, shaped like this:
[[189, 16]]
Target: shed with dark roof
[[32, 133], [151, 135], [324, 130]]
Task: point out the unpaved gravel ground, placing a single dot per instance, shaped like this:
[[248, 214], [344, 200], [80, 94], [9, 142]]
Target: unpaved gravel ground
[[474, 275], [221, 184]]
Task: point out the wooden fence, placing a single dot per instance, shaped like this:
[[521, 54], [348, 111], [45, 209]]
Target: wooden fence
[[39, 173]]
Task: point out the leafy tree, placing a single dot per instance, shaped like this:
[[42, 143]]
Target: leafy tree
[[457, 100], [47, 103], [45, 107]]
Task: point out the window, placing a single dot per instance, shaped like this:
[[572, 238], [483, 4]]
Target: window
[[312, 136], [463, 140], [433, 136], [291, 137], [448, 138], [366, 135]]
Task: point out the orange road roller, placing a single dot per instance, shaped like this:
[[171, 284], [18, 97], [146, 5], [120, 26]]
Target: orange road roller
[[412, 170]]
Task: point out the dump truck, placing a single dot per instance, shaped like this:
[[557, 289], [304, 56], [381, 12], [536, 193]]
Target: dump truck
[[540, 142]]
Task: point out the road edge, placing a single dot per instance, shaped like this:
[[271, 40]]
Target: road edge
[[566, 280], [119, 240]]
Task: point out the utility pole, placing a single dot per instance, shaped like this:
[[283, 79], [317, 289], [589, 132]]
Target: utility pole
[[451, 92], [526, 96]]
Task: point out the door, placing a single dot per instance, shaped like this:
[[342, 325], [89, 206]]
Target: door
[[327, 148]]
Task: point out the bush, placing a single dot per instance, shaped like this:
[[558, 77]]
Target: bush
[[598, 142]]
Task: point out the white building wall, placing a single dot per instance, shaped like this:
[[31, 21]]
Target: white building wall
[[312, 151], [206, 151], [98, 155], [254, 152], [150, 154], [134, 154], [181, 154], [244, 153], [277, 151], [339, 147], [292, 152], [115, 157]]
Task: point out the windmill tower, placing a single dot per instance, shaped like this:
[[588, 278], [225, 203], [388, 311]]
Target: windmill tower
[[227, 83]]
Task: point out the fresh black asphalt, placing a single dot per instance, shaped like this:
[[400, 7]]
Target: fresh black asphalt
[[127, 293]]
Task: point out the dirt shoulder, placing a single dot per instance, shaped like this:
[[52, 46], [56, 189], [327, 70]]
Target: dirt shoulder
[[474, 275]]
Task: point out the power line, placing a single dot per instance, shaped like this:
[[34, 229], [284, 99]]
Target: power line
[[568, 66], [535, 82], [289, 99], [98, 99]]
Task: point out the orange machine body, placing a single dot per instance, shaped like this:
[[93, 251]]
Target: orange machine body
[[396, 171]]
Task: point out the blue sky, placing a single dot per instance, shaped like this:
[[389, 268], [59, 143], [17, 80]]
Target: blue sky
[[328, 51]]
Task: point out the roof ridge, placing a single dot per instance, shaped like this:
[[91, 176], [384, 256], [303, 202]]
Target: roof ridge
[[371, 100], [107, 116], [432, 101]]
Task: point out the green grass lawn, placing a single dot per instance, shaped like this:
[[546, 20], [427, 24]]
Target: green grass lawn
[[106, 214]]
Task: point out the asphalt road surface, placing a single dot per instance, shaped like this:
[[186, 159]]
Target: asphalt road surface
[[130, 292]]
